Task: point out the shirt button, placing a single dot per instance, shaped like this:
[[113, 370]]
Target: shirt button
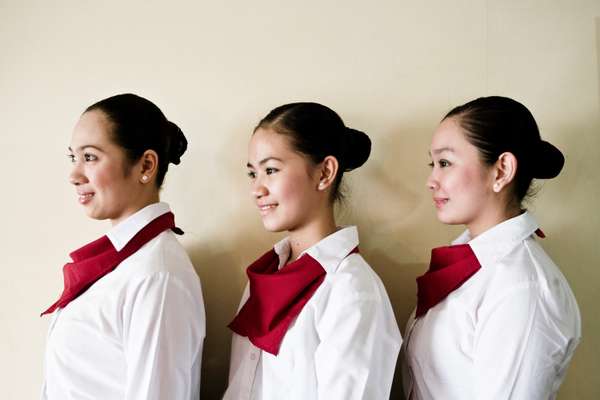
[[253, 356]]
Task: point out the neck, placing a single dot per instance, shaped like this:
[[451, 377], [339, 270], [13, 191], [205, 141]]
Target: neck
[[135, 207], [490, 220], [310, 234]]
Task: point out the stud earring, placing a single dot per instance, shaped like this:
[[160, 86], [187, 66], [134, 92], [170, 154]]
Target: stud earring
[[321, 185], [144, 178], [496, 187]]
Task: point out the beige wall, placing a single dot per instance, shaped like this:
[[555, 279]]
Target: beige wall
[[392, 70]]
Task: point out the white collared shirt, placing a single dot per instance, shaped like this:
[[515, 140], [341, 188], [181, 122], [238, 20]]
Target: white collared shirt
[[137, 332], [343, 344], [509, 332]]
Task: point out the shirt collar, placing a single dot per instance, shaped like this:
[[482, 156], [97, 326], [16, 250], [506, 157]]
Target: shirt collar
[[329, 251], [496, 242], [123, 232]]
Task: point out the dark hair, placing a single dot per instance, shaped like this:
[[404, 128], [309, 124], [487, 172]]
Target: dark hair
[[317, 132], [139, 125], [498, 124]]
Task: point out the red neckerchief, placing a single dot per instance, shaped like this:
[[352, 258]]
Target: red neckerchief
[[276, 298], [450, 267], [96, 259]]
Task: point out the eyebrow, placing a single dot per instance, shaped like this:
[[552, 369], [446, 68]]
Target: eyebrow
[[85, 147], [264, 160], [442, 149]]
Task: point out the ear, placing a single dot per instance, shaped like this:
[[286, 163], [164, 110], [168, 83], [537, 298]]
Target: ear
[[149, 166], [505, 170], [328, 171]]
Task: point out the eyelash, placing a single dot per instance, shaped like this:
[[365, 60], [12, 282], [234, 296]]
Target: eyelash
[[268, 171], [442, 163], [88, 157]]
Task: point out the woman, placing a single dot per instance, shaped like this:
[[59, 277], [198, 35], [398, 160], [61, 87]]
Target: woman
[[315, 322], [495, 317], [130, 321]]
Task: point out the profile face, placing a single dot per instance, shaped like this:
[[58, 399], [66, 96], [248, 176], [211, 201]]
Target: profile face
[[460, 183], [101, 173], [283, 182]]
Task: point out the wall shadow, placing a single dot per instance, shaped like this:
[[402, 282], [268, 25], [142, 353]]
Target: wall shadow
[[217, 271], [399, 280], [597, 20], [222, 272]]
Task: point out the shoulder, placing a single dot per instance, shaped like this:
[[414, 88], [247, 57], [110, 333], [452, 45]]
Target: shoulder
[[527, 264], [161, 261], [162, 254], [354, 280], [527, 274]]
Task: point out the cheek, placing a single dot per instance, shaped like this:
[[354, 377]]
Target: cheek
[[462, 180], [296, 188], [474, 185], [109, 180], [103, 180]]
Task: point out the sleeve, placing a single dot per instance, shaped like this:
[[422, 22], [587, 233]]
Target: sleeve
[[163, 328], [516, 353], [238, 347], [346, 355]]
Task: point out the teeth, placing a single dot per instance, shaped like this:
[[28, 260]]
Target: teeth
[[84, 197], [267, 207]]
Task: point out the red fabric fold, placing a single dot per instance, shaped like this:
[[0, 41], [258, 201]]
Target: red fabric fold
[[276, 298], [450, 267], [96, 259]]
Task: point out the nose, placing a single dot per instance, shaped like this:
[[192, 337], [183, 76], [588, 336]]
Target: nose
[[432, 182], [258, 189], [76, 176]]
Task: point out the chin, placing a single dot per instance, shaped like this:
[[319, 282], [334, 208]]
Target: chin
[[91, 214], [273, 225], [449, 219], [97, 217], [95, 214]]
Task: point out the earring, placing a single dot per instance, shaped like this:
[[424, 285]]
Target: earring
[[496, 187], [144, 178], [321, 185]]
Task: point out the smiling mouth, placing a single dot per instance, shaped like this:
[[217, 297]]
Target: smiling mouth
[[84, 198], [264, 209]]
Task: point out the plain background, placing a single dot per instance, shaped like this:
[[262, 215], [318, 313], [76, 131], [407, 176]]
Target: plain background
[[392, 69]]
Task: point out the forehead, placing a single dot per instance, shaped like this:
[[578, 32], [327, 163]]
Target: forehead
[[268, 143], [93, 128], [449, 135]]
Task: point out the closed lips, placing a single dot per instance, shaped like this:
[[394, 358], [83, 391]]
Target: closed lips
[[440, 201]]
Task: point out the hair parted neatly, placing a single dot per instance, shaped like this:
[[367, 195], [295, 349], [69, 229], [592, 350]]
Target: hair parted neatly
[[496, 125], [317, 132], [139, 125]]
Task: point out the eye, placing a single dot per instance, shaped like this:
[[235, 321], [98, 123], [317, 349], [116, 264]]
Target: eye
[[444, 163], [430, 164], [270, 170], [89, 157], [251, 174], [71, 157]]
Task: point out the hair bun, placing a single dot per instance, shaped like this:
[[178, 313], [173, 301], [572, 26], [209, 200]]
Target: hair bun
[[548, 162], [357, 149], [177, 143]]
